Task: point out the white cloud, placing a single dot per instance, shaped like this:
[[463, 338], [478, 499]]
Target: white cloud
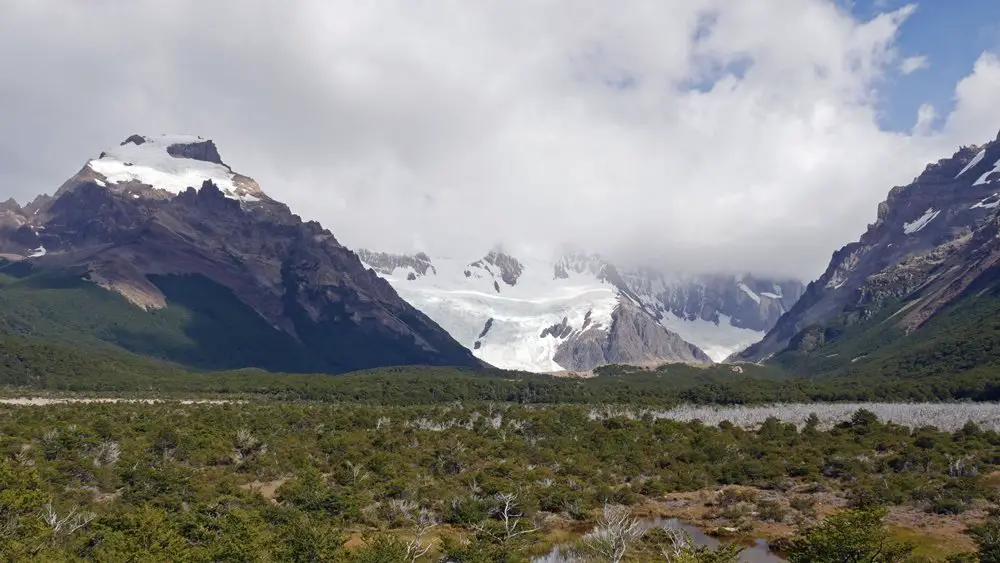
[[913, 64], [710, 134], [977, 115], [926, 115]]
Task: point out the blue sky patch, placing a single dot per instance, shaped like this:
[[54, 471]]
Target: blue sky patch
[[952, 34]]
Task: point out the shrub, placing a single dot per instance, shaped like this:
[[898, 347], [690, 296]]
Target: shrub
[[851, 535], [771, 510]]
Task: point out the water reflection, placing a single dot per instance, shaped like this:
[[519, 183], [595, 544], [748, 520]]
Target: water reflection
[[757, 553]]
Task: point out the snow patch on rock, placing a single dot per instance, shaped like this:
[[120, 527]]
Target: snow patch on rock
[[746, 289], [149, 163], [975, 160], [984, 178], [921, 222], [837, 280], [990, 202]]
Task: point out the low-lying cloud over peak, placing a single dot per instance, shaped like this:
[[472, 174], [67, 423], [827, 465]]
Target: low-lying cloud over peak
[[710, 135]]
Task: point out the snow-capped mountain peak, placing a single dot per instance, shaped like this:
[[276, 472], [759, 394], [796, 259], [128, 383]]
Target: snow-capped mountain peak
[[169, 165]]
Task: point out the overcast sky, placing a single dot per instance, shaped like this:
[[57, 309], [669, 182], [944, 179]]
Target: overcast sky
[[709, 135]]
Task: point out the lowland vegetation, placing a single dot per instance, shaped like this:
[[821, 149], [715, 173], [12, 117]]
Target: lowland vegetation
[[477, 482], [439, 464]]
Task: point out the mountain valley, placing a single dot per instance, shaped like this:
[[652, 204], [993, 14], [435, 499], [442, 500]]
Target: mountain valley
[[500, 282]]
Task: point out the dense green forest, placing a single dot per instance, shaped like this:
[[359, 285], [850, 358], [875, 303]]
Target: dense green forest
[[205, 327], [33, 365], [477, 482]]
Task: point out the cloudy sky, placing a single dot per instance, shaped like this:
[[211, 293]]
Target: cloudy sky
[[699, 134]]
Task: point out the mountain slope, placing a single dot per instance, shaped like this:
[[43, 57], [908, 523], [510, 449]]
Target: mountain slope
[[579, 311], [933, 250], [721, 314], [211, 271]]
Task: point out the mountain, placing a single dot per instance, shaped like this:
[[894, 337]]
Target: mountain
[[930, 259], [159, 248], [722, 314], [579, 311]]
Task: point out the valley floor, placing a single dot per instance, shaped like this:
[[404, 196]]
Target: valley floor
[[207, 476]]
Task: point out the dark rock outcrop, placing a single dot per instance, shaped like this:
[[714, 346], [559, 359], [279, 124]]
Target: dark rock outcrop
[[205, 151], [385, 263], [635, 338], [503, 265]]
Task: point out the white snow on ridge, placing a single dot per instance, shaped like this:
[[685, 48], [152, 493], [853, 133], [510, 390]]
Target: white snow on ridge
[[38, 252], [837, 280], [718, 341], [982, 179], [921, 222], [151, 164], [975, 160], [462, 305], [988, 202], [749, 292]]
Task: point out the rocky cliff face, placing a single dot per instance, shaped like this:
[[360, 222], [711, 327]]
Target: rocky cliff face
[[634, 338], [169, 206], [722, 314], [932, 241], [749, 302]]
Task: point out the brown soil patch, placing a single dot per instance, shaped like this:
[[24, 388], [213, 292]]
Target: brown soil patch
[[354, 541], [266, 489], [936, 534], [993, 480]]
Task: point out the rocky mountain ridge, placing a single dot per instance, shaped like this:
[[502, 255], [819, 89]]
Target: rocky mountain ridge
[[933, 241], [168, 207]]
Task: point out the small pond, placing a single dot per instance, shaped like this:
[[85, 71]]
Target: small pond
[[756, 553]]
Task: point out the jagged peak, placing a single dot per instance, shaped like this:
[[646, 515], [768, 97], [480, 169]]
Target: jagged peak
[[966, 165], [510, 267], [180, 146], [10, 204], [170, 163], [386, 263], [580, 262]]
